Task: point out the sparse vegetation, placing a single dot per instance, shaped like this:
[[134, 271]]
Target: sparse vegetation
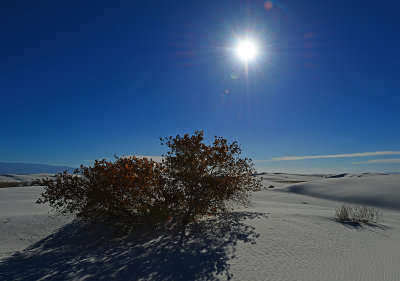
[[359, 214], [19, 183], [294, 181], [193, 180], [9, 184]]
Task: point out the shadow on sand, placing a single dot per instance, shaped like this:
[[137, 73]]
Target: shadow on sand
[[94, 252], [361, 226]]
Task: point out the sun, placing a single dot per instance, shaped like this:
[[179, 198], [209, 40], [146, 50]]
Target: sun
[[246, 50]]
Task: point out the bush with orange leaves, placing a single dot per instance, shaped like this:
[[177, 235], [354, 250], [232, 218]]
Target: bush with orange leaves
[[193, 180], [204, 179], [126, 188]]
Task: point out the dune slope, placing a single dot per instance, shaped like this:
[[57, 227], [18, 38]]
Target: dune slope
[[284, 236], [376, 190]]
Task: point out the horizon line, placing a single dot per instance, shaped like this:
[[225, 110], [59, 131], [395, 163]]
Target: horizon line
[[346, 155]]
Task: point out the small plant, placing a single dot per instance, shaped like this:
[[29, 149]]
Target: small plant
[[343, 213], [367, 214], [359, 214]]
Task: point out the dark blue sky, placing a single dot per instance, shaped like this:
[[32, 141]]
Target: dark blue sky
[[81, 80]]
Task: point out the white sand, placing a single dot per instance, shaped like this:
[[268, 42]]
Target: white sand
[[22, 221], [289, 234], [376, 190]]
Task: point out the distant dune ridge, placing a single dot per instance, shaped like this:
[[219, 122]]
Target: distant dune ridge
[[28, 168]]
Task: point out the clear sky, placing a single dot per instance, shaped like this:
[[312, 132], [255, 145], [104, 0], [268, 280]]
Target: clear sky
[[81, 80]]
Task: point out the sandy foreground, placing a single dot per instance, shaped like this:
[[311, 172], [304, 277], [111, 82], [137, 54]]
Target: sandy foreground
[[289, 234]]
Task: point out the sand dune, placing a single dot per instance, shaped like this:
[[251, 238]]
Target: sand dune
[[289, 234], [376, 190]]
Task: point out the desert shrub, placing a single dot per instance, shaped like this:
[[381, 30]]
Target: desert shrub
[[194, 179], [358, 213], [125, 188], [202, 179]]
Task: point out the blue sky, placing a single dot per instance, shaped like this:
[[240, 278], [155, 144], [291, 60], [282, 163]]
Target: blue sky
[[81, 80]]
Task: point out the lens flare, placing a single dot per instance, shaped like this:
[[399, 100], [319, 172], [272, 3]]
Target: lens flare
[[268, 5]]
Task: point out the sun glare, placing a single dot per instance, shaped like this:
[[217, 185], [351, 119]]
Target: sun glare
[[246, 50]]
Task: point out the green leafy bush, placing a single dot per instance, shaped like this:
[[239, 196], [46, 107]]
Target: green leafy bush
[[358, 213], [193, 180]]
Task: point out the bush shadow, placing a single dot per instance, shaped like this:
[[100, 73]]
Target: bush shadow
[[80, 251], [361, 226]]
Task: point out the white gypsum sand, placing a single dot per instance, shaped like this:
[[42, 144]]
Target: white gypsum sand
[[22, 221], [290, 233]]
